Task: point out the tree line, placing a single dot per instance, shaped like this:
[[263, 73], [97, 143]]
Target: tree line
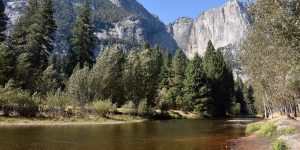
[[270, 55], [36, 79]]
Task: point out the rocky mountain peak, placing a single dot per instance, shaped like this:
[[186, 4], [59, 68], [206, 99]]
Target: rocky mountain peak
[[225, 25]]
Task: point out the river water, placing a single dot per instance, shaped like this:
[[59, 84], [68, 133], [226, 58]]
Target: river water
[[149, 135]]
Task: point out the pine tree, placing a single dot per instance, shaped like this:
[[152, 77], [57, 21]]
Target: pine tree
[[46, 22], [196, 94], [18, 42], [18, 37], [166, 71], [239, 95], [6, 64], [221, 81], [3, 21], [175, 93], [132, 79], [82, 41], [151, 62], [248, 95]]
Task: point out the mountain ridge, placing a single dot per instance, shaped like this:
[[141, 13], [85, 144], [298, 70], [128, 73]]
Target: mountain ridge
[[129, 24]]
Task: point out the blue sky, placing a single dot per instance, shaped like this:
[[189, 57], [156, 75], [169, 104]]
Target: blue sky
[[169, 10]]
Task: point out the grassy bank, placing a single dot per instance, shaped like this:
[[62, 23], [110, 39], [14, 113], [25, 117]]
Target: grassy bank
[[279, 130]]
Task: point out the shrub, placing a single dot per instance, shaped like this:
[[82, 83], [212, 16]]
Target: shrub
[[267, 130], [287, 130], [58, 100], [129, 108], [19, 100], [280, 145], [143, 108], [251, 128], [102, 107], [114, 108]]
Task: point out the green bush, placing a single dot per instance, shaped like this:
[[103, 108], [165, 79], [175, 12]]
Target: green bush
[[143, 108], [251, 128], [14, 99], [267, 130], [280, 145], [114, 108], [102, 107], [129, 108], [58, 100], [287, 130]]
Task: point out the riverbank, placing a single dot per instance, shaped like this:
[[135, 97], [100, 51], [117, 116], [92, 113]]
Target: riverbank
[[23, 121], [265, 133]]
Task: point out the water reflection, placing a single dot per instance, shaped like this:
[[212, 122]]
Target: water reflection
[[151, 135]]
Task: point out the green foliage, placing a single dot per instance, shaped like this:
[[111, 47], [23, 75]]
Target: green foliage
[[267, 129], [142, 108], [195, 87], [129, 108], [78, 86], [236, 109], [132, 77], [19, 100], [166, 70], [177, 77], [102, 108], [151, 62], [7, 65], [252, 128], [82, 41], [58, 100], [280, 145], [287, 131], [114, 108], [107, 76], [221, 81], [3, 21]]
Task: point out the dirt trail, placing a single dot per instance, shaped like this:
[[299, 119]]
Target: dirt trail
[[293, 141], [254, 142]]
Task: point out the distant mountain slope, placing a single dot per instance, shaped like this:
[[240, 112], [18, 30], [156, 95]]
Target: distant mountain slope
[[128, 23], [116, 21]]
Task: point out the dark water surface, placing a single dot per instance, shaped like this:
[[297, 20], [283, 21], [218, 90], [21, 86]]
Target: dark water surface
[[150, 135]]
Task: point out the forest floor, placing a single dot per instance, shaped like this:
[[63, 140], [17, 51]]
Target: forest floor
[[255, 142]]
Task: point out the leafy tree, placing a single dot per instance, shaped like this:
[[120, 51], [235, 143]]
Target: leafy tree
[[82, 41], [3, 21], [196, 94], [132, 79], [151, 61], [107, 75], [270, 49], [78, 86]]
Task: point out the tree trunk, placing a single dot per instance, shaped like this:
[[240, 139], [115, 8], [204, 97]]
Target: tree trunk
[[265, 109]]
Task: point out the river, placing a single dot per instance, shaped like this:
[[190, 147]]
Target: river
[[149, 135]]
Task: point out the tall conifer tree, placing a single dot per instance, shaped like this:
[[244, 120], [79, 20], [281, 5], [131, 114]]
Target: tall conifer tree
[[3, 21], [82, 41], [196, 93], [221, 81]]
